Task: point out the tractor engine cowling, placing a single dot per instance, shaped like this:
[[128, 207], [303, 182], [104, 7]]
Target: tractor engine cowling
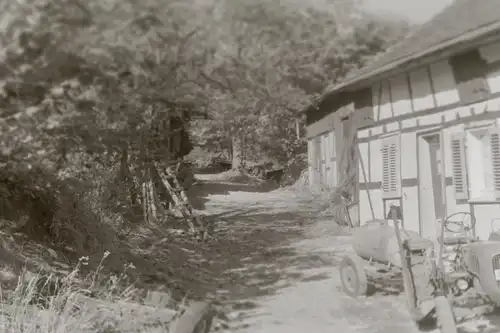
[[377, 241], [483, 260]]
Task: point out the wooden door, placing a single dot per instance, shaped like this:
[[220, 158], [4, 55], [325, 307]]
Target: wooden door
[[332, 161], [324, 159], [317, 160]]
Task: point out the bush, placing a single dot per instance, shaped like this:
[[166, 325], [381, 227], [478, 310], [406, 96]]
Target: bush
[[53, 211], [294, 170], [73, 217]]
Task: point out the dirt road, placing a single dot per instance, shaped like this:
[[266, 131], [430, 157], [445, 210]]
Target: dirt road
[[286, 278]]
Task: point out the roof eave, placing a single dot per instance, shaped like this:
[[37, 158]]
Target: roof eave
[[475, 38]]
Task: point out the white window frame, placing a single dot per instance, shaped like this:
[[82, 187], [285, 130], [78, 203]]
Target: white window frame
[[479, 165], [483, 172]]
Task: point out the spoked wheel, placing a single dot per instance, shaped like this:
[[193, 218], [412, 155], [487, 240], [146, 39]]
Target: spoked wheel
[[353, 276]]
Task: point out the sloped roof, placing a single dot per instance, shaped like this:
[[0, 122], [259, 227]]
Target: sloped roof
[[460, 18]]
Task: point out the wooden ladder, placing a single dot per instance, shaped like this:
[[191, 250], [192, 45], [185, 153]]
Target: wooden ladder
[[181, 201]]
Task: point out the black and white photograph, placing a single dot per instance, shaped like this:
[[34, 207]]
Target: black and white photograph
[[250, 166]]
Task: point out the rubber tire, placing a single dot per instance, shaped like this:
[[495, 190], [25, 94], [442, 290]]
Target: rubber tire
[[355, 265]]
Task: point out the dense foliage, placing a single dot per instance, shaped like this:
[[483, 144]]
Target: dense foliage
[[89, 90], [270, 61]]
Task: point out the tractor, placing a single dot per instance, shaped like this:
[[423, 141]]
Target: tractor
[[387, 255]]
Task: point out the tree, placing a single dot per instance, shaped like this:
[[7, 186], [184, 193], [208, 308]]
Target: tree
[[90, 86], [89, 93], [270, 59]]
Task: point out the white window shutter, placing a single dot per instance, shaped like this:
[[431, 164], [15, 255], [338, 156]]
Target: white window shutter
[[391, 167], [494, 136], [386, 177], [395, 153], [458, 166]]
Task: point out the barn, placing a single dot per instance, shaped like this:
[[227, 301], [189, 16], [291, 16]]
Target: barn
[[424, 122]]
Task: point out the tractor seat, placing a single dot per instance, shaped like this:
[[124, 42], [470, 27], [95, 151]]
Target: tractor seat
[[458, 239]]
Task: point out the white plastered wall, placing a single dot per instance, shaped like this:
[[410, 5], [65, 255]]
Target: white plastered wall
[[427, 88]]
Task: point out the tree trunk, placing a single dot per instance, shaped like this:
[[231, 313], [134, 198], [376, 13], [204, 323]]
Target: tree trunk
[[148, 197], [127, 178], [237, 152], [152, 199], [144, 203]]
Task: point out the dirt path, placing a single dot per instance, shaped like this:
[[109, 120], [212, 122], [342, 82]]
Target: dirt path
[[295, 287], [283, 275]]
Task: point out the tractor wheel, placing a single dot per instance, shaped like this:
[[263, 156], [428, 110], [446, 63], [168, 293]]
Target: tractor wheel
[[353, 276], [445, 317]]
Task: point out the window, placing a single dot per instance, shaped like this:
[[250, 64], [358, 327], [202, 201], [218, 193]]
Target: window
[[391, 168], [470, 70], [479, 165], [476, 164]]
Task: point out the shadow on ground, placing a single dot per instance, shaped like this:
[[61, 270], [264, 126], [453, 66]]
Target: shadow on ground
[[478, 318], [198, 193], [252, 257]]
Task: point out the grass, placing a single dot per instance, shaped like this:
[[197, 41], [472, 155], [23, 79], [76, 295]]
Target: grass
[[74, 219], [45, 303]]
